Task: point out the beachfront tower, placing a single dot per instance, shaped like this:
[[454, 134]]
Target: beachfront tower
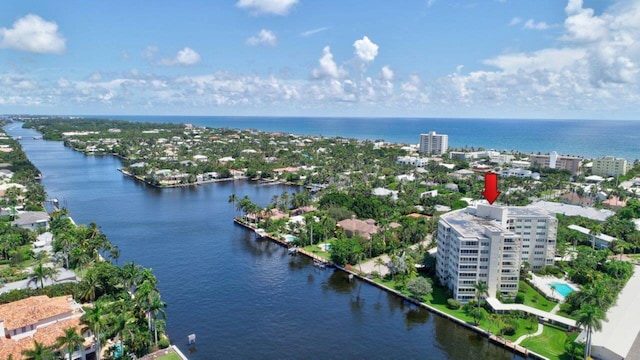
[[491, 244], [434, 144]]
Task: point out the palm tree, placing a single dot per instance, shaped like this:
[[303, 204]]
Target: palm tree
[[156, 307], [596, 230], [379, 262], [482, 290], [233, 199], [553, 289], [590, 317], [89, 286], [114, 253], [41, 273], [39, 352], [71, 340], [94, 318]]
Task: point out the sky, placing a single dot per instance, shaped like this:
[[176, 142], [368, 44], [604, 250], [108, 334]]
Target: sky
[[576, 59]]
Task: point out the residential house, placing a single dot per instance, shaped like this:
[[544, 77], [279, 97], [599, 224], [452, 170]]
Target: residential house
[[32, 220], [362, 228], [42, 319]]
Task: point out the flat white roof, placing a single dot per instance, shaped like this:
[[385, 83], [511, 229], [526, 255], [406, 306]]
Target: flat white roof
[[603, 237], [619, 333], [559, 208], [497, 305]]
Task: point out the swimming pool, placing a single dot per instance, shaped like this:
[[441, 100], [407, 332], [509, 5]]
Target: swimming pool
[[562, 288], [289, 238]]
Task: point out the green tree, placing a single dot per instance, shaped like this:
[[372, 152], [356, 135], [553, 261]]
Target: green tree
[[94, 318], [590, 318], [419, 287], [38, 352], [41, 273], [71, 340], [482, 290]]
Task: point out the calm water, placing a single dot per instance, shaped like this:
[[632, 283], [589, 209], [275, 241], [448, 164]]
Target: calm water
[[244, 299], [589, 138]]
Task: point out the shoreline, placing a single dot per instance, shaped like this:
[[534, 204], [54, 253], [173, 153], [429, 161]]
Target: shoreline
[[496, 340]]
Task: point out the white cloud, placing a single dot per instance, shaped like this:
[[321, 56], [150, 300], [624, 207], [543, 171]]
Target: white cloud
[[95, 77], [549, 59], [312, 32], [33, 34], [264, 37], [580, 75], [276, 7], [365, 49], [327, 66], [531, 24], [582, 26], [184, 57], [387, 73], [515, 21]]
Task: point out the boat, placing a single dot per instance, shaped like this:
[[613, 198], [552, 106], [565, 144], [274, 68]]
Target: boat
[[292, 250], [319, 264]]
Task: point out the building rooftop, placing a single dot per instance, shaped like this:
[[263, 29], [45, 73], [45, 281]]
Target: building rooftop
[[572, 210], [468, 224], [31, 217], [46, 335], [31, 310]]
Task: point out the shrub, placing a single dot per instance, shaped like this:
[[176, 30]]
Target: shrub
[[566, 308], [519, 298], [508, 330], [453, 304], [164, 343]]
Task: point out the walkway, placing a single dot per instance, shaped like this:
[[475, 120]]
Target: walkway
[[524, 337], [63, 275], [553, 318]]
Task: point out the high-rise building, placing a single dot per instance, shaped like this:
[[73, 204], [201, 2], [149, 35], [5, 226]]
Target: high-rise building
[[490, 244], [609, 166], [556, 161], [434, 144]]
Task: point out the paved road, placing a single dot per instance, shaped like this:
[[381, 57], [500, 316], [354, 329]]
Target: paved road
[[64, 275]]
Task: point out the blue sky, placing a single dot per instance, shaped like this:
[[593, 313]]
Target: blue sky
[[429, 58]]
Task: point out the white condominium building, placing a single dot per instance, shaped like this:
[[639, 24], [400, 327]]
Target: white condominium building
[[434, 144], [490, 243], [609, 166]]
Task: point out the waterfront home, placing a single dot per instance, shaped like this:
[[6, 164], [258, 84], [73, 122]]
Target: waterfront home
[[32, 220], [355, 226], [42, 319]]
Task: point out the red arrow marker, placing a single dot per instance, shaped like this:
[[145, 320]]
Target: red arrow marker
[[491, 192]]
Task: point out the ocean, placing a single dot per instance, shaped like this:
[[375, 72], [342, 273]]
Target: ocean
[[586, 138]]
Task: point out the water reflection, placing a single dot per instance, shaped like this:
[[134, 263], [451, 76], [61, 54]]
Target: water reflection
[[339, 282], [416, 316]]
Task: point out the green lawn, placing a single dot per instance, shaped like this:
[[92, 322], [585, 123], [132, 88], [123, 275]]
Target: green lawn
[[550, 343], [316, 250], [534, 299], [170, 356]]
